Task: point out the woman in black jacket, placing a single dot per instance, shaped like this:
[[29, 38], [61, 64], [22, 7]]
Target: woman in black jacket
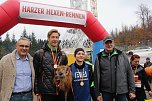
[[140, 78]]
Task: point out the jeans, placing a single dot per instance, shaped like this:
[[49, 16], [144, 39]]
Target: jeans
[[111, 96], [22, 97]]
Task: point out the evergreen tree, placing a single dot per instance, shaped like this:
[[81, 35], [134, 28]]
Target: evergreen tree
[[7, 45], [13, 42], [24, 34], [34, 44]]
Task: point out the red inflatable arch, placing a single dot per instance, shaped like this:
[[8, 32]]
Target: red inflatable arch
[[9, 17]]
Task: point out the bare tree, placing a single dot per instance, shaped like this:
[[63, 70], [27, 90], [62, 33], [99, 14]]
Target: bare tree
[[144, 15]]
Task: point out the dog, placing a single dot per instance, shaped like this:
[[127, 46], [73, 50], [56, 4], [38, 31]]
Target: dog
[[63, 78]]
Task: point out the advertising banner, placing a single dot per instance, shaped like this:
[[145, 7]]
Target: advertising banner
[[39, 11]]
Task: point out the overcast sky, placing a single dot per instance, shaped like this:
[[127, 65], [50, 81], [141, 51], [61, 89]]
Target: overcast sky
[[112, 14]]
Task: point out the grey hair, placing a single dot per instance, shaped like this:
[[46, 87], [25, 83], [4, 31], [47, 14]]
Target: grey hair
[[24, 38]]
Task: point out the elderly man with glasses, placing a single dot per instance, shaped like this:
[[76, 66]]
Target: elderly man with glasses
[[17, 74]]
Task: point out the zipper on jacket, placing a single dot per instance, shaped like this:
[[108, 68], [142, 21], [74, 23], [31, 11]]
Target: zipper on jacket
[[109, 56], [42, 77], [110, 69]]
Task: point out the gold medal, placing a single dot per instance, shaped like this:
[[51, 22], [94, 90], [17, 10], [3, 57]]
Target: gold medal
[[55, 59], [55, 66], [81, 83]]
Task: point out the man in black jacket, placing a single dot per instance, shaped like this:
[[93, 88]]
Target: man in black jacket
[[113, 74], [45, 61]]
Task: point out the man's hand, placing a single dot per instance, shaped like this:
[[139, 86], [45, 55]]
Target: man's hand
[[99, 98], [132, 96]]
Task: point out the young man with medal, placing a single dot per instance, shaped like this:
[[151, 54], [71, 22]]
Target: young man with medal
[[82, 77], [45, 62]]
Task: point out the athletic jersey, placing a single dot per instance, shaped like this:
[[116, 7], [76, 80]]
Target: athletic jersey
[[81, 91]]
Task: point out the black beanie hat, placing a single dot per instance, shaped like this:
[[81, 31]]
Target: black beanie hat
[[147, 58], [77, 50]]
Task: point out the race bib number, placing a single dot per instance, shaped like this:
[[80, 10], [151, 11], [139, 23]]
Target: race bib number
[[137, 81]]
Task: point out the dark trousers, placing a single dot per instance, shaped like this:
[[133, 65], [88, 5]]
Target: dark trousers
[[49, 97], [93, 95], [111, 96]]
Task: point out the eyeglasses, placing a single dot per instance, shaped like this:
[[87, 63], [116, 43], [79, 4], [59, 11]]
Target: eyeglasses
[[22, 46]]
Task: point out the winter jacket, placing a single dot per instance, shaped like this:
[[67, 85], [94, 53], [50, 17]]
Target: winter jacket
[[147, 64], [142, 76], [113, 73], [44, 69]]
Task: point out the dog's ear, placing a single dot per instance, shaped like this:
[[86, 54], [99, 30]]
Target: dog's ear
[[67, 71]]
